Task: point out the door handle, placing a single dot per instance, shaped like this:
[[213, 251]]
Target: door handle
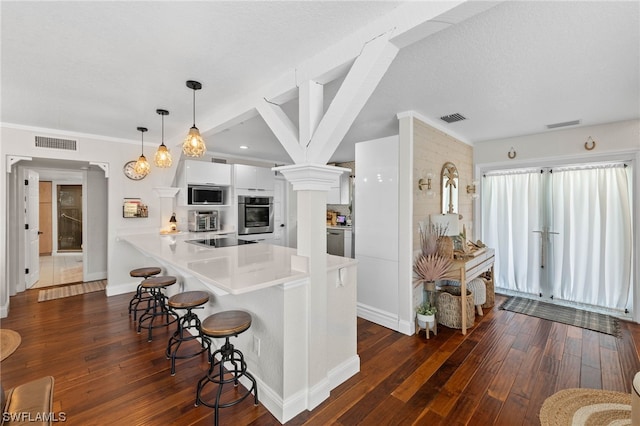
[[40, 232]]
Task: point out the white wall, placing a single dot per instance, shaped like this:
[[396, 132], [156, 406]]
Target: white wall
[[19, 141]]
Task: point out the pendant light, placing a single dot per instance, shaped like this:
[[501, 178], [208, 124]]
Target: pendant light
[[193, 145], [163, 156], [142, 165]]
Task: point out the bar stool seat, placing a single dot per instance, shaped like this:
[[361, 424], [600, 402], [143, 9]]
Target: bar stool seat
[[157, 308], [141, 296], [188, 300], [224, 325]]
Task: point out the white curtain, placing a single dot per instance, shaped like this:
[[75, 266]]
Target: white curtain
[[591, 255], [587, 211], [511, 211]]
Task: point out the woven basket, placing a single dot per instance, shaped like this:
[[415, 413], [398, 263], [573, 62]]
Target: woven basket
[[450, 308], [444, 246], [491, 294]]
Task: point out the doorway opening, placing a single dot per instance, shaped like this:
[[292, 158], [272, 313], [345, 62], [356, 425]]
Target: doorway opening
[[563, 233]]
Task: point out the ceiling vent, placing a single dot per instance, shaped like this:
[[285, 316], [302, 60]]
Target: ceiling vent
[[565, 124], [453, 118], [55, 143], [219, 160]]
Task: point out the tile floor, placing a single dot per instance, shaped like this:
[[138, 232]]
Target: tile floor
[[59, 269]]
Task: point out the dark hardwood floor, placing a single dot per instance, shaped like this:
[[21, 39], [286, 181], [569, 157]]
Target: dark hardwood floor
[[500, 373]]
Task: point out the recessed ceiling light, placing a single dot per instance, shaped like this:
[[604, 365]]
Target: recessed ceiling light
[[244, 147]]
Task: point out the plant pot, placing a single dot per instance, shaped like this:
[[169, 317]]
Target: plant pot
[[426, 321]]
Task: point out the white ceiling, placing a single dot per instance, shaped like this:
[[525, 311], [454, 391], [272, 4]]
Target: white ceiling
[[103, 68]]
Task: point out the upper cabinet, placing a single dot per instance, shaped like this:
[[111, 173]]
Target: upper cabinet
[[193, 172], [253, 178], [203, 172], [340, 192]]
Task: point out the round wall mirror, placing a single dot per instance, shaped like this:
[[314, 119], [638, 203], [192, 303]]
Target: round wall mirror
[[449, 188]]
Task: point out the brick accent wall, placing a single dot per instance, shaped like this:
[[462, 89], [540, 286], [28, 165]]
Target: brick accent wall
[[432, 148]]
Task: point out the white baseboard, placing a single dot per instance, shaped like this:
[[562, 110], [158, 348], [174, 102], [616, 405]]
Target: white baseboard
[[375, 315], [4, 310], [287, 409], [121, 288]]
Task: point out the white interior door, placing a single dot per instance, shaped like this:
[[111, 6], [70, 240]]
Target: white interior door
[[32, 228]]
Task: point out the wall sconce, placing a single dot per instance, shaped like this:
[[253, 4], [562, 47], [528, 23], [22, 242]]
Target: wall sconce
[[422, 183], [472, 188]]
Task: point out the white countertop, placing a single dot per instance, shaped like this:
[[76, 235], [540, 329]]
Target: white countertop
[[234, 270], [344, 228]]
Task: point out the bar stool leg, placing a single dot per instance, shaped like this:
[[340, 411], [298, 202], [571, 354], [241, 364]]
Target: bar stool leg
[[189, 320]]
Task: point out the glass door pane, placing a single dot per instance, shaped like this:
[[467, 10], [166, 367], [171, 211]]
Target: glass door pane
[[69, 217]]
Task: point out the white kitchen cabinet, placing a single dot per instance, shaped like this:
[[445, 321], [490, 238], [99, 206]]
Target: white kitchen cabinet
[[193, 172], [340, 192], [253, 178], [203, 172]]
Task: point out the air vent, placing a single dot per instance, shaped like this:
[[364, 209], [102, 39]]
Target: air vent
[[565, 124], [453, 118], [219, 160], [55, 143]]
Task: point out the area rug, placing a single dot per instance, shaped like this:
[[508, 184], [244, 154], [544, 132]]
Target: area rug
[[9, 342], [563, 314], [71, 290], [586, 407]]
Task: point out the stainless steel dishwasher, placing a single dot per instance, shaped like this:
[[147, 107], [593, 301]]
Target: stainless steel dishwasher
[[335, 242]]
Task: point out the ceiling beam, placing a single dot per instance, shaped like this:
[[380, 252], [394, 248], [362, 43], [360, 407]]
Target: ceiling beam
[[404, 24], [283, 128], [362, 79]]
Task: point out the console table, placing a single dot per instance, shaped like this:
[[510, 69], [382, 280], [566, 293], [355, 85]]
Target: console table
[[469, 268]]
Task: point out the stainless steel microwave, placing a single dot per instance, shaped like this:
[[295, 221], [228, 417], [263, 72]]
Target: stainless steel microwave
[[205, 195]]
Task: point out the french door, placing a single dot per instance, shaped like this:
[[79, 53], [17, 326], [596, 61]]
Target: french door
[[562, 233]]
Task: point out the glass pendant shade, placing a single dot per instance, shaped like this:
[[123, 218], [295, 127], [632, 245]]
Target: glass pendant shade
[[163, 156], [142, 165], [193, 145]]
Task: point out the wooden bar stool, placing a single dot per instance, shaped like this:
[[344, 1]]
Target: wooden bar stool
[[141, 296], [224, 325], [157, 307], [188, 300]]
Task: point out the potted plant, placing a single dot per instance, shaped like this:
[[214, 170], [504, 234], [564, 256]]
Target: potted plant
[[429, 266], [426, 315]]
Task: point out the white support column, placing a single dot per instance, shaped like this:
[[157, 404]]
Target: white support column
[[312, 183]]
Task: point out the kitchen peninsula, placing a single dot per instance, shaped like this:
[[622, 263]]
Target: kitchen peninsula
[[272, 283]]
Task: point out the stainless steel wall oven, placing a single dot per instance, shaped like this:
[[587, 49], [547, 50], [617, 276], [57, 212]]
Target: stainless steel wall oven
[[255, 215]]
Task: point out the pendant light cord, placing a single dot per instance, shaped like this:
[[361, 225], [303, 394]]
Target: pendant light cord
[[162, 115], [194, 107]]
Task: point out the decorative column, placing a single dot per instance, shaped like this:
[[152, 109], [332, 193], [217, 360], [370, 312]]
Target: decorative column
[[167, 205], [312, 182]]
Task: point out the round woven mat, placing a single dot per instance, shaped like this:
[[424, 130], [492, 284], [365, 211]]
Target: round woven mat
[[9, 342], [588, 407]]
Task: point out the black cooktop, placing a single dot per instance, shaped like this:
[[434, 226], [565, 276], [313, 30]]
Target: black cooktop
[[220, 242]]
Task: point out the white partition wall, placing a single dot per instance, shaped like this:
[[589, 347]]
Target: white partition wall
[[376, 230]]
